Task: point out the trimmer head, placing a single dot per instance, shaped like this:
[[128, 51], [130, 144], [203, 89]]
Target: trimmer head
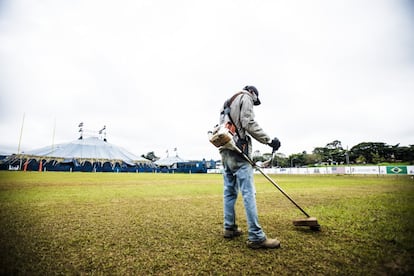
[[312, 222]]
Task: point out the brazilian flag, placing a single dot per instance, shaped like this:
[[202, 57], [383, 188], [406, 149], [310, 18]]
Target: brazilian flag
[[396, 169]]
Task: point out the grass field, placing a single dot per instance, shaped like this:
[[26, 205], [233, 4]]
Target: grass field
[[141, 224]]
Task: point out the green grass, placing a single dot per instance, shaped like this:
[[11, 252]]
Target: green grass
[[171, 224]]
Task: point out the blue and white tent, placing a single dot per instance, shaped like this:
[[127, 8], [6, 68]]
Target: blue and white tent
[[169, 161], [84, 154], [91, 148], [175, 163]]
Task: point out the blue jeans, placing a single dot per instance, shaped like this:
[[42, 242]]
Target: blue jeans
[[238, 175]]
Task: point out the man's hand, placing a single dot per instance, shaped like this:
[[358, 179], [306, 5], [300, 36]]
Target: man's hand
[[275, 144]]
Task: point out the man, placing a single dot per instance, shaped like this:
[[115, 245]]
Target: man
[[237, 113]]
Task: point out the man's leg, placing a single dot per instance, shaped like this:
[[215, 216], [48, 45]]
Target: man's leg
[[245, 178], [231, 190]]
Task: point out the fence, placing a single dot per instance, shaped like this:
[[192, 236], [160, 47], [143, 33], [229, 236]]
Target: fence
[[372, 170]]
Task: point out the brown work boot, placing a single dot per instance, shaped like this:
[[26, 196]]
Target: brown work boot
[[229, 234], [267, 243]]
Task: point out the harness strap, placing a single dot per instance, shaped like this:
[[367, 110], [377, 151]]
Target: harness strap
[[230, 101], [241, 143], [226, 111]]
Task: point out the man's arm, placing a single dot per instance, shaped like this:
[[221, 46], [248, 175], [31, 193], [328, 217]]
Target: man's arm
[[249, 124]]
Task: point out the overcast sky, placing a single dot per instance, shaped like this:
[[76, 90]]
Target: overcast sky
[[157, 72]]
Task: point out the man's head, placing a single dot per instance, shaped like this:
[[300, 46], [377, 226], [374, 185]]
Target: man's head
[[254, 93]]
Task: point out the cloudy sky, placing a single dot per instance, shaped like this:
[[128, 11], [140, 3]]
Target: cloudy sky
[[156, 72]]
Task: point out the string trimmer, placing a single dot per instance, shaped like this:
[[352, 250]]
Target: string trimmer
[[224, 139]]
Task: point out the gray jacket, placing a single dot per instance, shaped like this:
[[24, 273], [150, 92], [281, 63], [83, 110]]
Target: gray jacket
[[243, 117]]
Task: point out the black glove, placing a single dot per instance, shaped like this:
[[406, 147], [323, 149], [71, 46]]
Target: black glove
[[275, 144]]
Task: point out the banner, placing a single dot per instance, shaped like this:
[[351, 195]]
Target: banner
[[364, 170], [396, 169]]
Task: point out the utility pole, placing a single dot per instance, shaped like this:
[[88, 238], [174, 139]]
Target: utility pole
[[20, 141]]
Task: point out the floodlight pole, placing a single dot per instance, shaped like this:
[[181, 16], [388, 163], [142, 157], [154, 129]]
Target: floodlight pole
[[20, 141], [21, 134]]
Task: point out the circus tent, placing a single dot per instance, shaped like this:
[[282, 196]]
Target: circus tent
[[91, 149], [169, 161], [172, 164], [84, 154]]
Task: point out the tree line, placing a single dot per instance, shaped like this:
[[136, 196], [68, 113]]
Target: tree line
[[334, 154]]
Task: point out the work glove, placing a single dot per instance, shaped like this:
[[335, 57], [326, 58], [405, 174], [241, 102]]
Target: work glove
[[275, 144]]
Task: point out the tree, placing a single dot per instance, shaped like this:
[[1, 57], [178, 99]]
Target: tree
[[371, 151], [280, 160], [404, 154], [321, 154], [331, 153], [363, 153], [311, 159], [376, 158], [336, 144], [360, 160], [257, 156], [297, 159]]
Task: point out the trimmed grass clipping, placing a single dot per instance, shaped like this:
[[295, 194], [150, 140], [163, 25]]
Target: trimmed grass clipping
[[171, 224]]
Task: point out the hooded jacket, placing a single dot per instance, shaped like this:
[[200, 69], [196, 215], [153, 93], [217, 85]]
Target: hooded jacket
[[241, 112]]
